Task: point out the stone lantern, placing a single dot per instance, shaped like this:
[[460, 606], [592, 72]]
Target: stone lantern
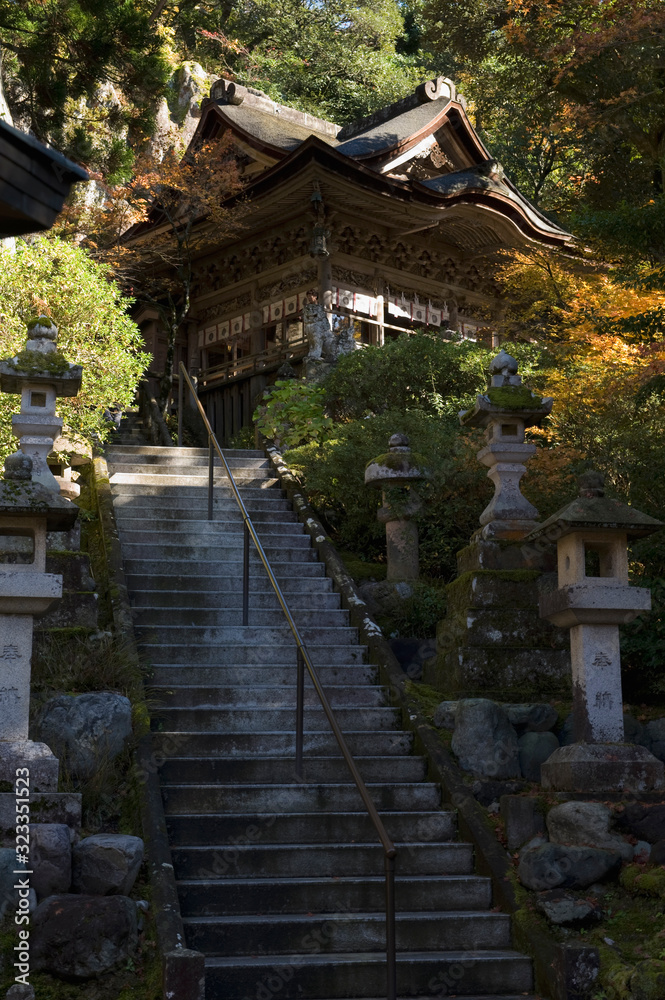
[[592, 599], [492, 642], [27, 511], [40, 374], [394, 473], [505, 411]]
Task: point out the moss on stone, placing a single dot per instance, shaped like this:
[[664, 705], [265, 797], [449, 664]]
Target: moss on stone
[[36, 363], [513, 397], [644, 881], [648, 980]]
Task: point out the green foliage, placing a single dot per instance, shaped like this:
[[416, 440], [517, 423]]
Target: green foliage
[[50, 275], [292, 414], [57, 53], [333, 472], [416, 617], [422, 372]]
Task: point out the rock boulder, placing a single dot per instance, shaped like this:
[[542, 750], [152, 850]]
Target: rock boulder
[[586, 824], [484, 740], [81, 937], [554, 866], [84, 729], [536, 718], [106, 864], [50, 858], [534, 749], [564, 909]]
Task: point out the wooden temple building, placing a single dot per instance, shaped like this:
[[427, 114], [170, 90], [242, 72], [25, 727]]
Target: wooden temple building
[[394, 221]]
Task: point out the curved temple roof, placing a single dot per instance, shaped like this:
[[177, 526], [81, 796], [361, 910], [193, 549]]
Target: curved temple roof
[[424, 143]]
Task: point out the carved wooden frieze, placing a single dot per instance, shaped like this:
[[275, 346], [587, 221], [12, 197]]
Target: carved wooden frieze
[[428, 263]]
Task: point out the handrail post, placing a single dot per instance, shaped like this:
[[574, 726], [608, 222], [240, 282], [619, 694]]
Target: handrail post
[[245, 576], [181, 404], [391, 944], [211, 455], [300, 710]]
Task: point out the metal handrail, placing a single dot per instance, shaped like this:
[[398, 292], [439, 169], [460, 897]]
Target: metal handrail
[[303, 660]]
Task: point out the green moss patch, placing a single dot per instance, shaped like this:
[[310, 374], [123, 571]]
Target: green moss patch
[[513, 397], [36, 363]]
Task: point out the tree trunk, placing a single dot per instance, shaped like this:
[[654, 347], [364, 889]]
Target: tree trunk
[[5, 113]]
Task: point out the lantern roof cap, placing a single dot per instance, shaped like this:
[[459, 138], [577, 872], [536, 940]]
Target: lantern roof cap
[[398, 466], [592, 510]]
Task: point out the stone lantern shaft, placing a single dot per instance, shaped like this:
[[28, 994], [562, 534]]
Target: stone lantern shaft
[[394, 473]]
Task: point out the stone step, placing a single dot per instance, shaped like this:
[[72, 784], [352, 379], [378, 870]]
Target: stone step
[[242, 674], [246, 479], [264, 697], [147, 569], [267, 720], [195, 548], [212, 535], [158, 450], [183, 770], [290, 797], [227, 830], [226, 513], [304, 602], [149, 504], [346, 932], [196, 743], [130, 527], [343, 894], [363, 974], [120, 458], [182, 487], [304, 583], [323, 860], [328, 655], [260, 635], [232, 617]]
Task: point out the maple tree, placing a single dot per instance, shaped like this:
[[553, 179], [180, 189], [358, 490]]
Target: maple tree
[[150, 230]]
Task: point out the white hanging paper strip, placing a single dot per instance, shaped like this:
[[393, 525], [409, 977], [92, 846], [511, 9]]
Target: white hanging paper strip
[[276, 310], [398, 306], [445, 314], [211, 334], [433, 316], [291, 306], [202, 334], [236, 326], [266, 315], [247, 322], [223, 330], [418, 312]]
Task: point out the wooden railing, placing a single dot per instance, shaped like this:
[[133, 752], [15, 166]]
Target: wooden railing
[[253, 364]]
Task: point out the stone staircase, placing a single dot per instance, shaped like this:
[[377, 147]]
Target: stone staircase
[[280, 882]]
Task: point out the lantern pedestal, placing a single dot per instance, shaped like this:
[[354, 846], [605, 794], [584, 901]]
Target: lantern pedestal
[[602, 767]]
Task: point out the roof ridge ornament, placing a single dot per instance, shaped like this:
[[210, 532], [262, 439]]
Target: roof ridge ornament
[[441, 86]]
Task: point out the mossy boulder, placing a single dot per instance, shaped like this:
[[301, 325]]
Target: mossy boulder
[[648, 980], [645, 881]]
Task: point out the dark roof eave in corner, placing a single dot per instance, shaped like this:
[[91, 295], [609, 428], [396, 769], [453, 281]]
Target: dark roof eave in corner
[[315, 150]]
